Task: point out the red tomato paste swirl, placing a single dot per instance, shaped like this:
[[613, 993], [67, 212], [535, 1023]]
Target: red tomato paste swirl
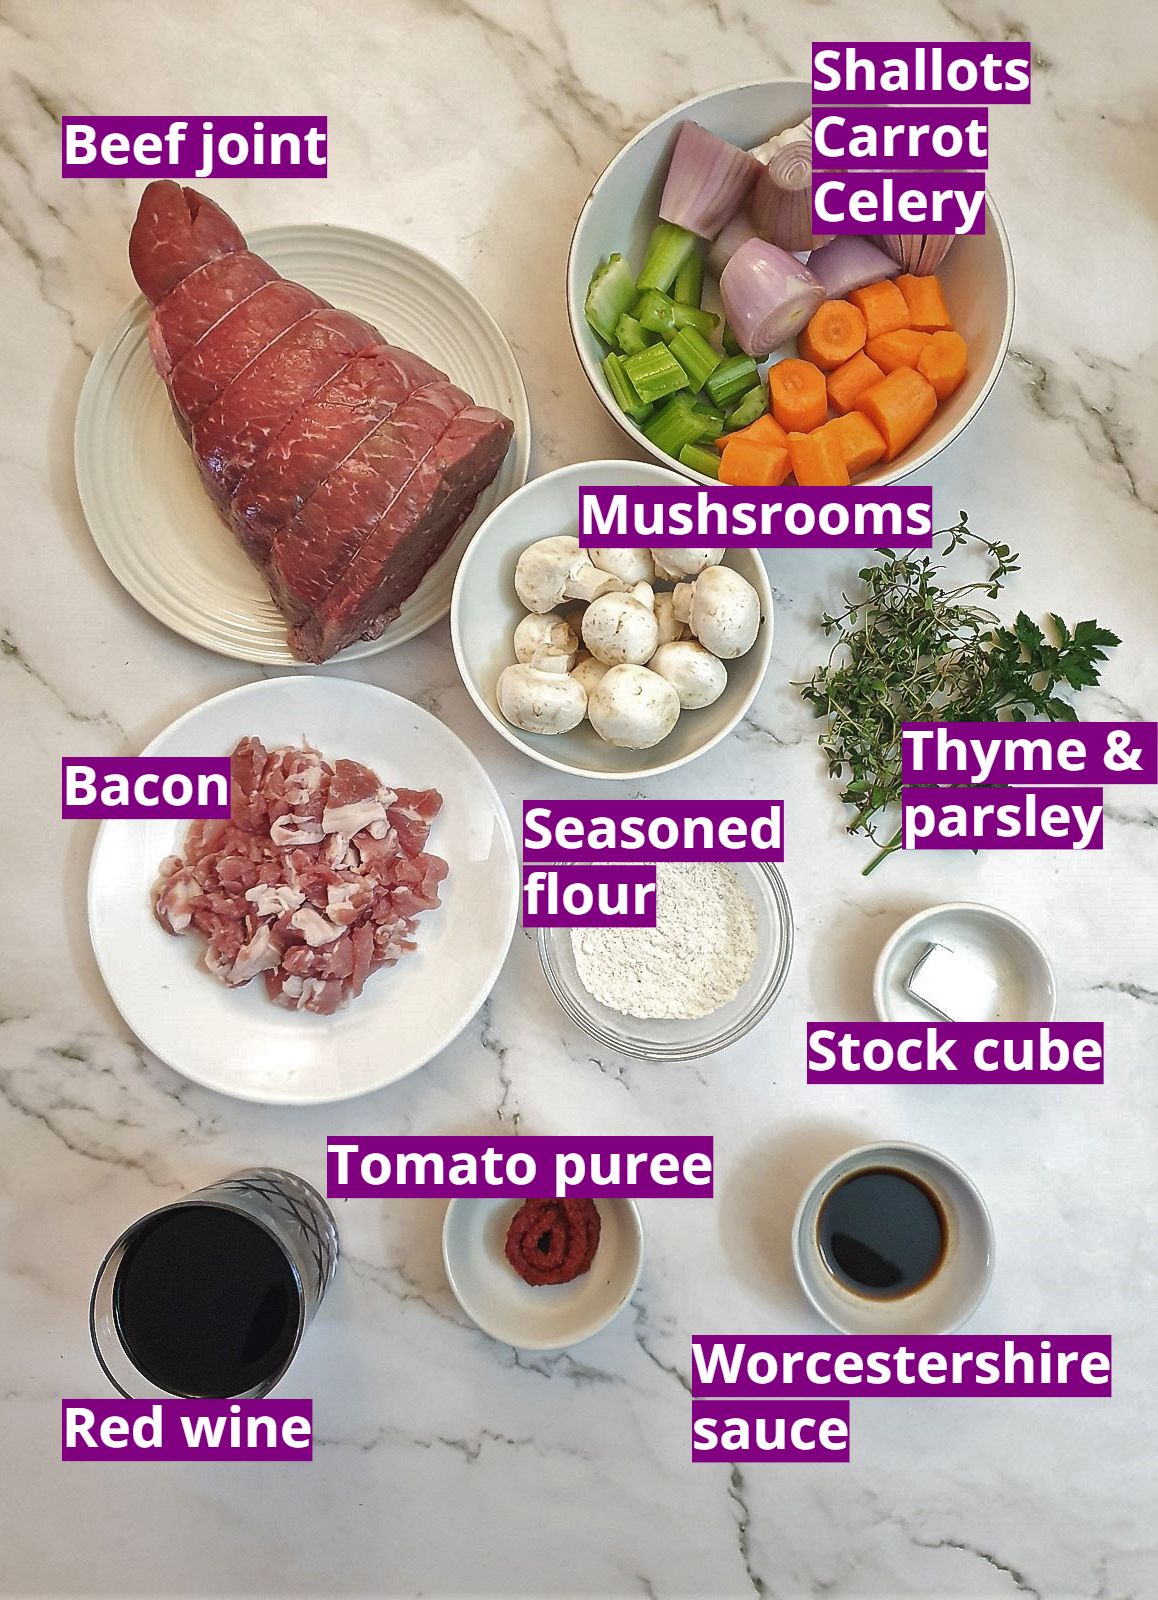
[[553, 1241]]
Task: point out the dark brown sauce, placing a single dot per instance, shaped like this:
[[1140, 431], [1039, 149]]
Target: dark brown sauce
[[882, 1233]]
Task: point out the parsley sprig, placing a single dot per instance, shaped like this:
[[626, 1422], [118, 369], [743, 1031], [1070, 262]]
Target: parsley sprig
[[910, 649]]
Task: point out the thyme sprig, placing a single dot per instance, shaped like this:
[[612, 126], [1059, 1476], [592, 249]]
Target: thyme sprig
[[910, 649]]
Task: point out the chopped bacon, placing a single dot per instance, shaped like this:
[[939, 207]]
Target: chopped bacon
[[178, 895], [411, 814], [314, 881]]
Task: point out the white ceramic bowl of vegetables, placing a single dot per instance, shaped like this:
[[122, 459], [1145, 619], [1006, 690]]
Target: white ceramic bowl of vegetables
[[619, 217], [620, 671]]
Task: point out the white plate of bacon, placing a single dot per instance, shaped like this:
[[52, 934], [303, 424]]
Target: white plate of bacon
[[323, 470], [340, 928]]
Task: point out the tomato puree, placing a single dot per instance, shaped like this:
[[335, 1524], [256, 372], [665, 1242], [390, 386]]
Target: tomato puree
[[553, 1241]]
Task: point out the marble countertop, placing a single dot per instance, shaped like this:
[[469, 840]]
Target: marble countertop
[[447, 1464]]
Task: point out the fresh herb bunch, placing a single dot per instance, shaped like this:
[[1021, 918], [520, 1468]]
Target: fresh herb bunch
[[912, 650]]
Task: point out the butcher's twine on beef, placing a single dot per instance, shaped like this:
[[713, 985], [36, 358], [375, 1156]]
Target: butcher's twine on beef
[[315, 880], [344, 465]]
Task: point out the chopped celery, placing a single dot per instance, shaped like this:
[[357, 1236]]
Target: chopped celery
[[655, 312], [609, 295], [667, 250], [660, 314], [753, 405], [713, 419], [732, 378], [631, 336], [731, 343], [704, 322], [654, 372], [695, 355], [701, 459], [674, 425], [623, 390], [688, 288]]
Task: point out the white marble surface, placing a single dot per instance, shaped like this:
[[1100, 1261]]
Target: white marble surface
[[446, 1464]]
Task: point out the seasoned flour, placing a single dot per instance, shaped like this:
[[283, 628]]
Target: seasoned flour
[[692, 962]]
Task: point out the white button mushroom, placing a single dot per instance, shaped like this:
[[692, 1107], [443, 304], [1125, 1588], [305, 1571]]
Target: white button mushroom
[[573, 617], [556, 569], [546, 642], [588, 672], [621, 627], [669, 627], [687, 561], [541, 702], [696, 675], [722, 609], [630, 566], [633, 707]]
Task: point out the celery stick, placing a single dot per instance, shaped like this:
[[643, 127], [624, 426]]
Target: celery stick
[[674, 425], [731, 379], [695, 355], [704, 322], [731, 343], [713, 419], [701, 459], [609, 294], [655, 312], [660, 314], [753, 405], [623, 390], [667, 250], [631, 336], [688, 288], [654, 372]]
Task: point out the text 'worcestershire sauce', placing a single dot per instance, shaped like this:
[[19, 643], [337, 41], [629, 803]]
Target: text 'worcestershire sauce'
[[206, 1303], [882, 1233]]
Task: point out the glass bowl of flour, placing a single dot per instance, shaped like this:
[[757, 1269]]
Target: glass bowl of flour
[[699, 980]]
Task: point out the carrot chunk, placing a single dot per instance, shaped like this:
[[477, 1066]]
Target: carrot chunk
[[849, 380], [765, 430], [899, 349], [753, 465], [834, 334], [860, 443], [928, 312], [817, 459], [899, 406], [883, 307], [799, 397], [944, 361]]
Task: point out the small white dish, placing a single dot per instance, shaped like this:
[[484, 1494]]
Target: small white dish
[[485, 611], [548, 1316], [1016, 959], [623, 207], [237, 1041], [955, 1291], [147, 511]]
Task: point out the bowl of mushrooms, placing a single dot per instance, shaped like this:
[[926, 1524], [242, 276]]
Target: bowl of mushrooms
[[611, 663]]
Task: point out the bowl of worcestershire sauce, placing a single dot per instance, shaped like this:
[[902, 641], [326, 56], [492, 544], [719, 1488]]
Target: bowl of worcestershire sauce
[[893, 1238]]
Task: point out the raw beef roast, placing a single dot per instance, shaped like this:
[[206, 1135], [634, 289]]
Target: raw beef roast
[[344, 465]]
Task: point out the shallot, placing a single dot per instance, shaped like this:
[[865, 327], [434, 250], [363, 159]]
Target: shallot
[[918, 253], [781, 204], [768, 296], [850, 262], [729, 239], [707, 182]]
